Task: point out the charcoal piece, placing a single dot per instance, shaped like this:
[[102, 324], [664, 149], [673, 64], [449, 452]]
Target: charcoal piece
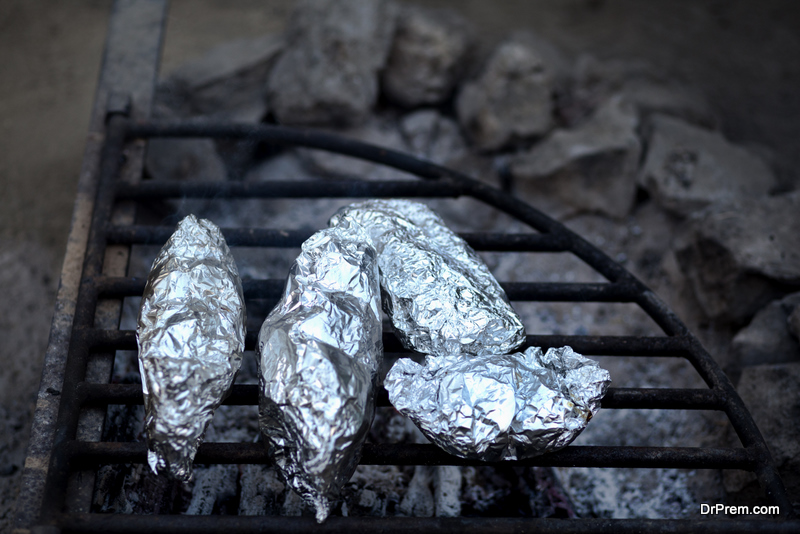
[[511, 100], [428, 56], [328, 74]]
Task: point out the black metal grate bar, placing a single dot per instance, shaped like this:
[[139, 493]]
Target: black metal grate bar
[[299, 189], [283, 136], [642, 346], [408, 525], [284, 238], [94, 454], [523, 291], [616, 398]]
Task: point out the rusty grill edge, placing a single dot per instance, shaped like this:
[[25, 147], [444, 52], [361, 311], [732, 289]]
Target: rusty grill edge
[[69, 454]]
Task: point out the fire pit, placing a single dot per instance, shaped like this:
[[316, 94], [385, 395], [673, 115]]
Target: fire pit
[[68, 451]]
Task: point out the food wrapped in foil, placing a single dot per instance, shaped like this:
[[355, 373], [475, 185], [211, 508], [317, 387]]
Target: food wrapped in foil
[[319, 351], [499, 407], [191, 331], [440, 296]]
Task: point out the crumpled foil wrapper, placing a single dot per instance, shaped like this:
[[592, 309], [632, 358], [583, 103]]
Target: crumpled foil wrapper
[[191, 332], [499, 407], [439, 294], [319, 351]]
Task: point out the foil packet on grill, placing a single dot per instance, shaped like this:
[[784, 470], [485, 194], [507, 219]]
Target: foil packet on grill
[[499, 407], [191, 331], [439, 294], [318, 353]]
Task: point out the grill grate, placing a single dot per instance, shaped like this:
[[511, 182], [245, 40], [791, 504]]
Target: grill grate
[[71, 453]]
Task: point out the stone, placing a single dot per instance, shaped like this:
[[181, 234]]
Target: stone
[[328, 74], [738, 256], [432, 136], [227, 82], [591, 168], [772, 394], [428, 56], [511, 100], [688, 168], [651, 259], [767, 340]]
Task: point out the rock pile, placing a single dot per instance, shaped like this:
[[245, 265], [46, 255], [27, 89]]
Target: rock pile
[[631, 161]]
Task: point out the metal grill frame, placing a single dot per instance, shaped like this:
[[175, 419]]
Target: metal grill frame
[[109, 188]]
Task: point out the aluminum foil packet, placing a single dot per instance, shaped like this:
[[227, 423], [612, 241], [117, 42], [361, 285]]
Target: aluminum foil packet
[[190, 333], [318, 352], [439, 294], [499, 407]]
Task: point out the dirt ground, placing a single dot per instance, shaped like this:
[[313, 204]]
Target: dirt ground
[[742, 55]]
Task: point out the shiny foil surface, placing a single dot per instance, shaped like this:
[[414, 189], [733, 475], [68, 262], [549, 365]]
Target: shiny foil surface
[[191, 331], [499, 407], [439, 294], [319, 351]]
